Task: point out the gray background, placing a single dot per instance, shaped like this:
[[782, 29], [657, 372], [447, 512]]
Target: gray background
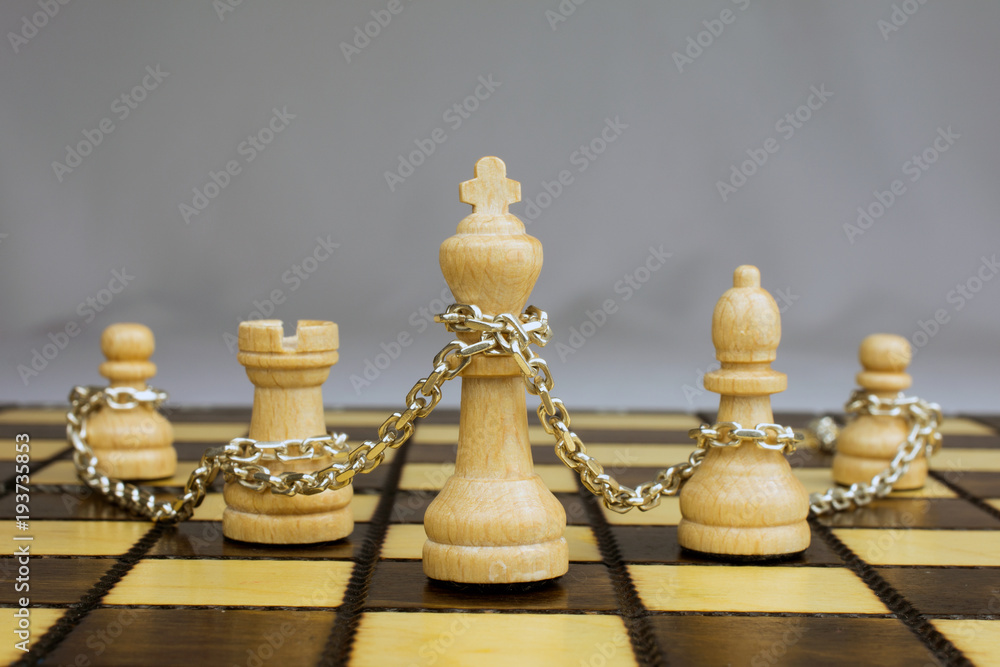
[[323, 176]]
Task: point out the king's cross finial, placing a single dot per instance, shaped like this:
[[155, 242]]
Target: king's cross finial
[[490, 191]]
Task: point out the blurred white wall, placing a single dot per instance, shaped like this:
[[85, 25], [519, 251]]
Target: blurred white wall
[[276, 123]]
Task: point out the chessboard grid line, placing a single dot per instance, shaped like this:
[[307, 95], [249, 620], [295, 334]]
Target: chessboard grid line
[[91, 600], [964, 494], [633, 612], [340, 642], [939, 645]]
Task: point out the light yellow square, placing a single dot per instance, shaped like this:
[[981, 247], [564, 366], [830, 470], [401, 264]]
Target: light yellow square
[[978, 640], [618, 458], [34, 415], [957, 460], [754, 589], [264, 583], [213, 433], [491, 640], [820, 479], [964, 426], [40, 449], [913, 546], [64, 472], [667, 513], [432, 476], [995, 503], [342, 418], [40, 621], [84, 538], [406, 541]]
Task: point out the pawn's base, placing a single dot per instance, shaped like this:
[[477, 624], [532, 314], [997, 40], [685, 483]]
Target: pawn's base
[[849, 470], [287, 528], [767, 542], [137, 464], [496, 565]]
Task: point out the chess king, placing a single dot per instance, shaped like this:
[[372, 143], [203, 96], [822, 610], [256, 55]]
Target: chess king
[[494, 521]]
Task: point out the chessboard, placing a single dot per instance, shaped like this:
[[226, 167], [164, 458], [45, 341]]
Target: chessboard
[[913, 579]]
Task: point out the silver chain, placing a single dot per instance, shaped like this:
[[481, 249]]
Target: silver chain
[[924, 437], [555, 419], [242, 460]]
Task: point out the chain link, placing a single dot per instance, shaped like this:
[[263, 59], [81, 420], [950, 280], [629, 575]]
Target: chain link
[[555, 418], [924, 437], [243, 459]]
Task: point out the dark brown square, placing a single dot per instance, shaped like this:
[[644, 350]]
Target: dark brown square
[[763, 641], [52, 580], [914, 513], [204, 539], [967, 591], [658, 544], [403, 585], [126, 637]]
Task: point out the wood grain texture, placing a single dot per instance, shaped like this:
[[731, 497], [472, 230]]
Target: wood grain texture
[[131, 444], [287, 373], [494, 520], [744, 501], [867, 445]]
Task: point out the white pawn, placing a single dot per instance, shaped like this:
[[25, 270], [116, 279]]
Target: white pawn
[[137, 443]]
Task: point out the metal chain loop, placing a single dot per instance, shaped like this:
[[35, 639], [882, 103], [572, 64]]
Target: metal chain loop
[[924, 420], [555, 418], [242, 459]]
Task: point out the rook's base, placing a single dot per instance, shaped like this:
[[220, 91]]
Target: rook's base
[[287, 528]]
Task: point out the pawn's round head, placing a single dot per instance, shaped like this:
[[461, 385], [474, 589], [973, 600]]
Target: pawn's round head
[[127, 341], [885, 353]]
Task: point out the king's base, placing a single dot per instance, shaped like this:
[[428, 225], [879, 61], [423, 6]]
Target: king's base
[[496, 565], [753, 543], [849, 470], [137, 464], [287, 528]]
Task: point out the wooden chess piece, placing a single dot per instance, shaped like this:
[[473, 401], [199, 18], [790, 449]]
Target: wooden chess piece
[[287, 373], [494, 521], [137, 443], [867, 445], [744, 501]]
